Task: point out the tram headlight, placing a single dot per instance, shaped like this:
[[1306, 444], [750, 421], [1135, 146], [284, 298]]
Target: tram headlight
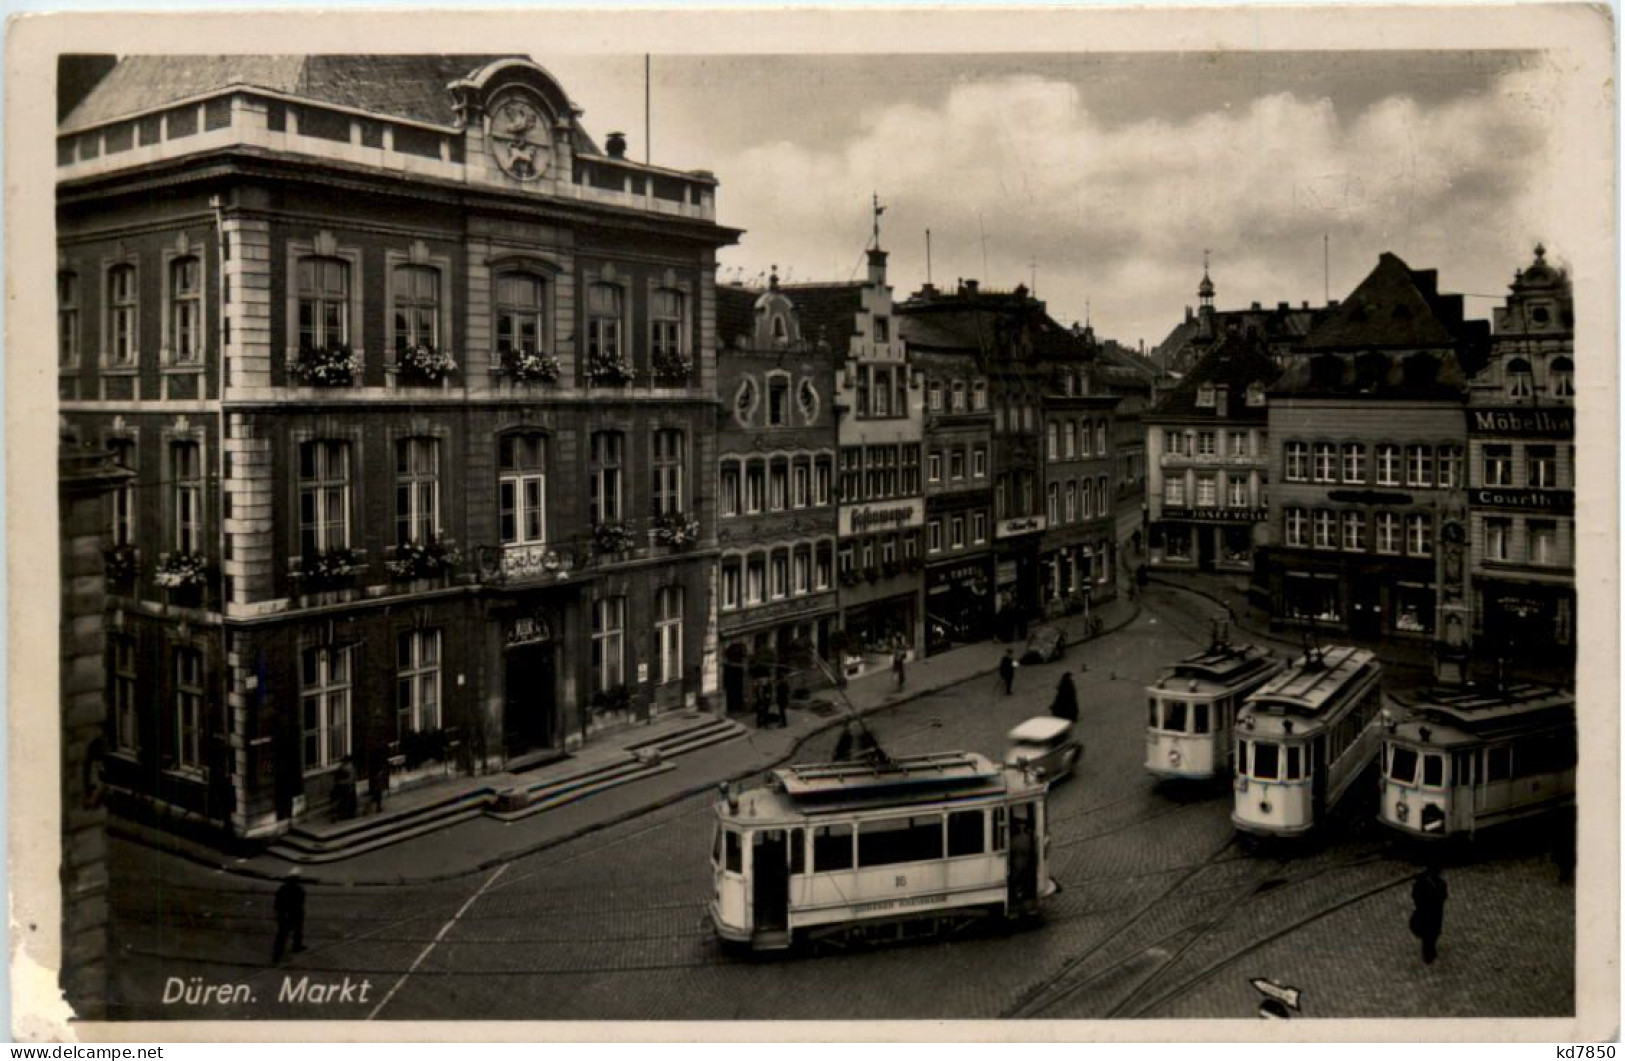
[[1402, 810], [1173, 757], [1264, 807]]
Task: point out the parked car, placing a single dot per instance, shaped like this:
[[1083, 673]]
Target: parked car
[[1045, 645], [1044, 743]]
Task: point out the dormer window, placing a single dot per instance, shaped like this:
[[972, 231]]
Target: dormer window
[[1205, 396], [1562, 378], [1255, 394], [781, 332]]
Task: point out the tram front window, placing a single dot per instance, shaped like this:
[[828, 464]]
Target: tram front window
[[1402, 765], [1151, 712], [1266, 760], [1294, 762], [716, 845], [1199, 718], [732, 852], [1433, 771], [1173, 716]]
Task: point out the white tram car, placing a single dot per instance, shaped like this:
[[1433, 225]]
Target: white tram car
[[1303, 738], [1458, 760], [845, 851], [1192, 708]]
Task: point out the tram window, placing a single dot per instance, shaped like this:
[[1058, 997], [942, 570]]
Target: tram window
[[965, 833], [832, 848], [1199, 718], [1498, 763], [716, 845], [1173, 716], [1266, 760], [1151, 712], [893, 840], [1241, 757], [733, 857], [1402, 765], [1463, 767], [1294, 762], [798, 851], [998, 829], [1433, 770]]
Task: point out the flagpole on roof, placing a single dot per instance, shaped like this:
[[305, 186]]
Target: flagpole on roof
[[648, 131]]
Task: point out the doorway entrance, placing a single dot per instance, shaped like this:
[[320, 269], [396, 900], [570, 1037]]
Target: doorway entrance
[[528, 721]]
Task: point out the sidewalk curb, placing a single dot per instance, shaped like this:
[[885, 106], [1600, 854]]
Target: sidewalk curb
[[169, 845]]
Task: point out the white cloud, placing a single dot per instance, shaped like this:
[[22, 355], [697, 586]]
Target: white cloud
[[1119, 214]]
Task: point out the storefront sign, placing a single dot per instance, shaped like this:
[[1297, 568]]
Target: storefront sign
[[1217, 515], [1557, 502], [1007, 572], [1523, 423], [884, 516], [1009, 528]]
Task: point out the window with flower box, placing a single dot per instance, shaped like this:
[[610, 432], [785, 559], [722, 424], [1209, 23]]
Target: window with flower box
[[522, 489], [324, 302], [186, 487], [604, 317], [521, 314], [666, 331], [417, 681], [608, 454], [417, 490], [325, 686], [667, 472], [324, 496]]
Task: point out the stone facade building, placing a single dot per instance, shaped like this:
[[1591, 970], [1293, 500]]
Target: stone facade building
[[418, 383], [1521, 475]]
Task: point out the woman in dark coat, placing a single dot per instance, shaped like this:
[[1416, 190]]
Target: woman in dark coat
[[1065, 704]]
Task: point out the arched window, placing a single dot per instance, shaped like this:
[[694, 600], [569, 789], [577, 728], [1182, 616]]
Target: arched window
[[521, 313], [416, 299], [324, 303], [522, 489], [1562, 377], [186, 309], [1520, 382]]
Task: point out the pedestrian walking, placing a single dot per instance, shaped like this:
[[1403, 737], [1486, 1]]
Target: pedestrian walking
[[1065, 704], [344, 790], [781, 697], [1428, 894], [843, 744], [1007, 671], [899, 660], [378, 779], [290, 916]]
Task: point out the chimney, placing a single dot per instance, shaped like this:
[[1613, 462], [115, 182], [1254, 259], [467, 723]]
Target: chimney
[[969, 287], [1283, 305], [1305, 303], [616, 145], [1257, 305]]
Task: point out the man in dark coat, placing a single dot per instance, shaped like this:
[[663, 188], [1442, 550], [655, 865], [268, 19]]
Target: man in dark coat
[[1007, 671], [1066, 699], [290, 916], [1428, 893]]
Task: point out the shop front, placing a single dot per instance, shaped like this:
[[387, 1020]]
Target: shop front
[[1527, 619], [1016, 600], [1208, 539], [958, 602], [1366, 600]]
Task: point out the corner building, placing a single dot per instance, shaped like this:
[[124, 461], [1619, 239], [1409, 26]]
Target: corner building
[[418, 384]]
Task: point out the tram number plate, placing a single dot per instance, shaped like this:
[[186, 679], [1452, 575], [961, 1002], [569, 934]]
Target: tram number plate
[[902, 881]]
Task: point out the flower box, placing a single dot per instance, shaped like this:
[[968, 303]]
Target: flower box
[[333, 365], [423, 364], [330, 568], [608, 370], [676, 529], [525, 365], [670, 367], [423, 559], [182, 570], [121, 563], [613, 537]]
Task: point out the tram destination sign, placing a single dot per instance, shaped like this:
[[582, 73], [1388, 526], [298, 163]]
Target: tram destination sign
[[1523, 423]]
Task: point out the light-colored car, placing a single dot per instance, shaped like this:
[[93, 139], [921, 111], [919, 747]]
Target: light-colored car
[[1044, 743]]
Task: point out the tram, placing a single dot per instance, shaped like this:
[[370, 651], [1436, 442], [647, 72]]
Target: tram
[[1303, 738], [1192, 707], [1455, 761], [905, 847]]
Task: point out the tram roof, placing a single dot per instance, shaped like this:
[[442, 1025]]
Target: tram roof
[[1223, 665], [1484, 711], [1305, 688], [823, 788]]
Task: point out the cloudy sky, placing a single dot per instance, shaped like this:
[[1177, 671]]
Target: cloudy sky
[[1113, 172]]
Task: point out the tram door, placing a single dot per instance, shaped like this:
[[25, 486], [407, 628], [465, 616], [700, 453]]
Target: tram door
[[770, 874], [1023, 885]]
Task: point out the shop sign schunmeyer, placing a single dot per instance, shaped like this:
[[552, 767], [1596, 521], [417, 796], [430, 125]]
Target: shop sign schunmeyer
[[882, 516]]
